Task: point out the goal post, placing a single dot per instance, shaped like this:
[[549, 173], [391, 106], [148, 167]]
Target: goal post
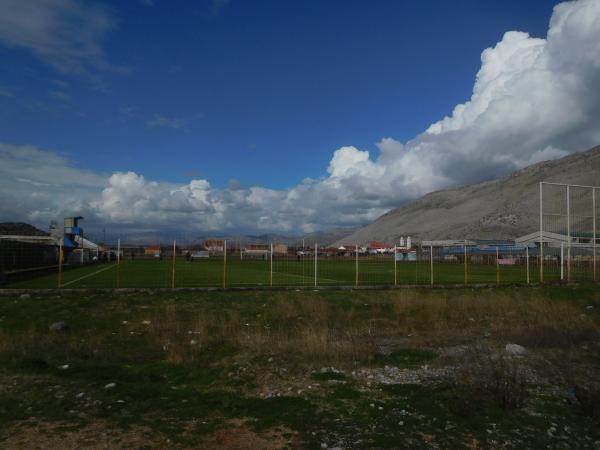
[[568, 235]]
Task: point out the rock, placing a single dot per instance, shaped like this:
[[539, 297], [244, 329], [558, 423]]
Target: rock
[[515, 350], [24, 297], [110, 386], [63, 367], [58, 327]]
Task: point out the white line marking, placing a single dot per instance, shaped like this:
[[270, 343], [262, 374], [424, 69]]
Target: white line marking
[[88, 275]]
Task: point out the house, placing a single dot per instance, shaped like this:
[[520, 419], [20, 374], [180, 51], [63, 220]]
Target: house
[[25, 251], [214, 245], [153, 250], [378, 248], [280, 249]]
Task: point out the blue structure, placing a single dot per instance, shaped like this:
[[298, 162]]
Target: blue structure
[[72, 229]]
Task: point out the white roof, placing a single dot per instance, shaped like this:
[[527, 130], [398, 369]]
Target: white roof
[[447, 243], [86, 243], [547, 236]]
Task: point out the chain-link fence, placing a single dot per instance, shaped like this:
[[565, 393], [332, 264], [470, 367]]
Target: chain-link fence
[[564, 249], [179, 266], [568, 235]]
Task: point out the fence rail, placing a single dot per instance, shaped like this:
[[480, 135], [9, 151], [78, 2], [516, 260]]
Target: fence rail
[[174, 266]]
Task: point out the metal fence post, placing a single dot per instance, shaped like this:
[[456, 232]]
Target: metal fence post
[[224, 264], [316, 262], [60, 261], [395, 267], [431, 263], [527, 262], [271, 268], [465, 257], [497, 266], [356, 265], [568, 234], [562, 261], [541, 234], [118, 263], [594, 233], [173, 267]]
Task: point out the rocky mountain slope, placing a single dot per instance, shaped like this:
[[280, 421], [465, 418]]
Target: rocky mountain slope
[[500, 209]]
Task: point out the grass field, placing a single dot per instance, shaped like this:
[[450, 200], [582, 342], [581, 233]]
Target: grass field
[[146, 273], [408, 369]]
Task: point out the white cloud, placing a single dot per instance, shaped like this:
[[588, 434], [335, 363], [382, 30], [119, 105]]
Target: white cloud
[[533, 99], [66, 34]]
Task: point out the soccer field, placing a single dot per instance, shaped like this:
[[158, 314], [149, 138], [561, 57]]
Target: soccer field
[[147, 273]]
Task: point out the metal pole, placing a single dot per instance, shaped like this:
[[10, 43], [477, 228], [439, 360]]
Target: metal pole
[[541, 235], [497, 267], [395, 267], [465, 256], [60, 260], [431, 262], [118, 262], [173, 267], [594, 232], [316, 261], [271, 264], [356, 266], [224, 264], [82, 247], [562, 261], [568, 235], [527, 262]]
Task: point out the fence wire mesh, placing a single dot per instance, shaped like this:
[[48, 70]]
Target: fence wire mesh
[[568, 236], [564, 249], [172, 265]]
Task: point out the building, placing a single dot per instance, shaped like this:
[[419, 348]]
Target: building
[[557, 239], [214, 245], [25, 251], [280, 249], [378, 248], [153, 250]]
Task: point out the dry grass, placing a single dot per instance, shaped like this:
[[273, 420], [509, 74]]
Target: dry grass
[[320, 329]]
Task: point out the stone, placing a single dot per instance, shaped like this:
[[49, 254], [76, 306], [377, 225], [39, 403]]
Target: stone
[[515, 350], [58, 327], [24, 296], [110, 385]]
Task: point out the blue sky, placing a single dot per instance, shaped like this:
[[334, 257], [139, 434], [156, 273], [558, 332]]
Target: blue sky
[[221, 116], [260, 92]]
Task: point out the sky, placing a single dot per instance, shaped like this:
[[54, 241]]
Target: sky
[[220, 116]]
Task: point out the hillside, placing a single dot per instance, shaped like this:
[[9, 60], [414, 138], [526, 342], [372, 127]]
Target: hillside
[[501, 209]]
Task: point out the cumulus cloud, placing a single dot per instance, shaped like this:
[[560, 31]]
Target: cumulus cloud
[[533, 99], [66, 34]]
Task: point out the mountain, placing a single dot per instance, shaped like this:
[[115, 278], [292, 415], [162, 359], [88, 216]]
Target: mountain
[[500, 209]]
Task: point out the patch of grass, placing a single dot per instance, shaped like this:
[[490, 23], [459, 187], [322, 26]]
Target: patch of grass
[[196, 361], [328, 375]]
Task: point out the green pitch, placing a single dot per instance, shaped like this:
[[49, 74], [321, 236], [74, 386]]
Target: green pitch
[[147, 273]]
